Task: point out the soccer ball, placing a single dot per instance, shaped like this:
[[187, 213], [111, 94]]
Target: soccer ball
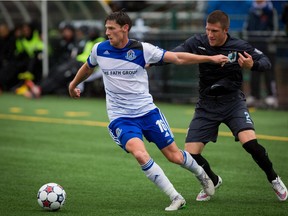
[[51, 196]]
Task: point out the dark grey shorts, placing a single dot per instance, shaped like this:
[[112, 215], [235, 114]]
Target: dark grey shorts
[[211, 111]]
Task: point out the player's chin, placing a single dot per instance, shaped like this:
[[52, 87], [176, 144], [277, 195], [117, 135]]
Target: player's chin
[[212, 43], [111, 41]]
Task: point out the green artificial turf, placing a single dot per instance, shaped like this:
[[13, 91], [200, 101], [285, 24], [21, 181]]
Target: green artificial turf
[[58, 139]]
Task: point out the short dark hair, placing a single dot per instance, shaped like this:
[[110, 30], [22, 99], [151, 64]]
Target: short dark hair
[[219, 16], [121, 18]]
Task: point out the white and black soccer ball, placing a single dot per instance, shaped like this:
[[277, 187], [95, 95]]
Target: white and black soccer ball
[[51, 196]]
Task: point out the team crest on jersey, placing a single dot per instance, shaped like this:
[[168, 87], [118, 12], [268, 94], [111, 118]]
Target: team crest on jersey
[[232, 56], [130, 55]]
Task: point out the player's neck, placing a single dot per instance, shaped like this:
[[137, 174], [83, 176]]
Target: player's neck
[[122, 44], [224, 40]]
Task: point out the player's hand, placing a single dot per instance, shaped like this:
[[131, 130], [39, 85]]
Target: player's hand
[[220, 59], [74, 92], [246, 61]]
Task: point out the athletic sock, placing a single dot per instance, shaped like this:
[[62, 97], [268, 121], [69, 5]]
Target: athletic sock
[[154, 172], [260, 156], [191, 164], [204, 163]]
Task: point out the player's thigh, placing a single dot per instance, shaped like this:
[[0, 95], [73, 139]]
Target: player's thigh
[[122, 130], [203, 127], [239, 119], [157, 130]]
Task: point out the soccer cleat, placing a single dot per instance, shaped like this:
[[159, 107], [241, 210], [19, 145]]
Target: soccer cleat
[[280, 189], [202, 196], [177, 203], [206, 182]]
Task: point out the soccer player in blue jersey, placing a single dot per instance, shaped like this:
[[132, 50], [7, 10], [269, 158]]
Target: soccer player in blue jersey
[[222, 101], [131, 110]]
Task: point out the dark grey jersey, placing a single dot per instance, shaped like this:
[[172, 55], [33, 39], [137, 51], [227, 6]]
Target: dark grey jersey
[[217, 80]]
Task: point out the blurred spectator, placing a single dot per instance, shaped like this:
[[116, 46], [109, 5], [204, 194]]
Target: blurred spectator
[[7, 49], [58, 81], [237, 11], [32, 46], [64, 48], [284, 17], [7, 44], [26, 61], [139, 29], [94, 37], [81, 37], [62, 65], [261, 16], [260, 26], [29, 47]]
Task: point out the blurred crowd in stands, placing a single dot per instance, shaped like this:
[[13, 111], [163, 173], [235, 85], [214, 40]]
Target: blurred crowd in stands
[[21, 58], [21, 48]]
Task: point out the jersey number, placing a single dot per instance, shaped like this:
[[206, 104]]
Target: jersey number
[[248, 119], [161, 125]]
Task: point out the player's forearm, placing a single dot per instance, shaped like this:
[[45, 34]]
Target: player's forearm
[[182, 58], [83, 73], [189, 58]]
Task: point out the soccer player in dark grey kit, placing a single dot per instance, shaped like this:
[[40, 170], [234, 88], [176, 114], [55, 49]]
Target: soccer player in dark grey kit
[[222, 101]]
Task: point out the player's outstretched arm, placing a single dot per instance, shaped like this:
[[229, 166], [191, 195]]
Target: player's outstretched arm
[[181, 58], [83, 73]]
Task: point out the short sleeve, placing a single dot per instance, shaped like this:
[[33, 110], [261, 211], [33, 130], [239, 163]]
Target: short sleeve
[[92, 58], [152, 54]]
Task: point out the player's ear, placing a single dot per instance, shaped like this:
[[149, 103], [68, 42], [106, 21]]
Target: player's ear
[[125, 27]]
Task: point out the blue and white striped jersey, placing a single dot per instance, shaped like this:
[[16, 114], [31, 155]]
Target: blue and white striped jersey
[[125, 77]]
